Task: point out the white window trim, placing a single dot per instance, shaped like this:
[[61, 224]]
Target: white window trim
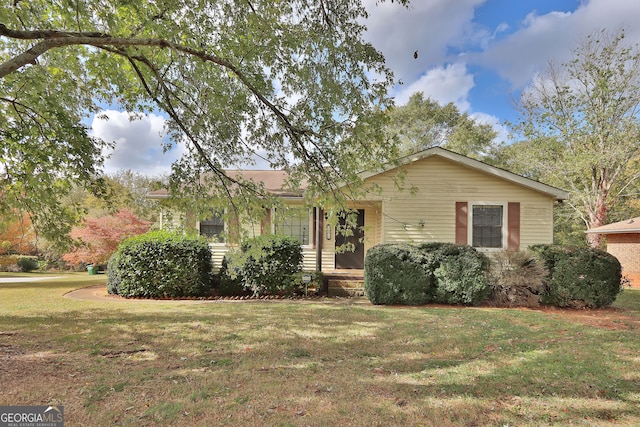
[[223, 243], [505, 224], [274, 219]]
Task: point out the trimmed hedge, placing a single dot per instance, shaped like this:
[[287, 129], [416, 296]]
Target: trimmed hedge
[[460, 273], [395, 274], [431, 272], [265, 265], [580, 276], [161, 264], [18, 263]]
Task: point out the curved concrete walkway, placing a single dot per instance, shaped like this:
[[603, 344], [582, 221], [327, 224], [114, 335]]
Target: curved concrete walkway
[[93, 293]]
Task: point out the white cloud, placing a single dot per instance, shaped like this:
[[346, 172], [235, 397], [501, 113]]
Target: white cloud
[[138, 142], [427, 26], [502, 131], [520, 55], [450, 83]]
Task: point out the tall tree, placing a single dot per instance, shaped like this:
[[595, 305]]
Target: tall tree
[[235, 78], [126, 189], [16, 234], [423, 123], [580, 126]]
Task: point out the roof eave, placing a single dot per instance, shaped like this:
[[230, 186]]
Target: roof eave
[[627, 231]]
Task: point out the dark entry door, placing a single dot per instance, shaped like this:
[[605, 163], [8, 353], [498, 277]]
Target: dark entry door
[[354, 257]]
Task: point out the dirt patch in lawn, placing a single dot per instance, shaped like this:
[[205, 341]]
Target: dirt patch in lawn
[[611, 318]]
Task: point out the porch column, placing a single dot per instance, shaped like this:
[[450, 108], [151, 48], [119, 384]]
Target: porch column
[[318, 237]]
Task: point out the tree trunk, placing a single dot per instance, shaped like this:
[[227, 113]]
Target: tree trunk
[[598, 218]]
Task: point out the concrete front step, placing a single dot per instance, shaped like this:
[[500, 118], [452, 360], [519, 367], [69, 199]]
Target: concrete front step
[[346, 288]]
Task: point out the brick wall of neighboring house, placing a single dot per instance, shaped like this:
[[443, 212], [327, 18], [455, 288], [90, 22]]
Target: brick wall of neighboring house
[[626, 247]]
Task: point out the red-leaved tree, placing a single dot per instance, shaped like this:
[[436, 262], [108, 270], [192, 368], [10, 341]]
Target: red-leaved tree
[[99, 237], [17, 235]]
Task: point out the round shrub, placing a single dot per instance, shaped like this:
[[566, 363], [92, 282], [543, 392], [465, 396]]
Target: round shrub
[[550, 255], [583, 277], [28, 263], [267, 264], [161, 264], [460, 273], [395, 274]]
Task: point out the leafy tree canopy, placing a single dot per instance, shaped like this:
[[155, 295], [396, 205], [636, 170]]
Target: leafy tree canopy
[[423, 123], [293, 80], [579, 127]]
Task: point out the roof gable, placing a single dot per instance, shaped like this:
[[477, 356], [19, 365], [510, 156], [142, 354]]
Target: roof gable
[[554, 192]]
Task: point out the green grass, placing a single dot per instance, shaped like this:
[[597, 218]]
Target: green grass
[[325, 362]]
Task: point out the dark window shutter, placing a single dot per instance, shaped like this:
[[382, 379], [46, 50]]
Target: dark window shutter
[[513, 226], [313, 235], [234, 229], [265, 223], [462, 219]]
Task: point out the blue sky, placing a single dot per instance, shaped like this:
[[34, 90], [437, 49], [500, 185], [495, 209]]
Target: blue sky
[[479, 54]]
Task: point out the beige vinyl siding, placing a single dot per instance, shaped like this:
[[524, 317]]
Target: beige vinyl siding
[[438, 183], [308, 258], [218, 252], [171, 219]]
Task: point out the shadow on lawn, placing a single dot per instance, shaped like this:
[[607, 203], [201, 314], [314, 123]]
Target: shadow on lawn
[[500, 359]]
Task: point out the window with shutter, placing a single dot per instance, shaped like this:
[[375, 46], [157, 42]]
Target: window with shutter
[[488, 225]]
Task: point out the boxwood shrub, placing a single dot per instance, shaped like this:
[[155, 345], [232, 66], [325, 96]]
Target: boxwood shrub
[[28, 263], [580, 276], [161, 264], [460, 273], [396, 274], [264, 265]]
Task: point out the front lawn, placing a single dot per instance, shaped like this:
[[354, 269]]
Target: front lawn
[[317, 363]]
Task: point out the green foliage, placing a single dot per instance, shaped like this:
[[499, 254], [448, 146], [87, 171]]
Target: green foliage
[[265, 265], [17, 263], [160, 264], [423, 123], [28, 263], [284, 78], [580, 276], [228, 282], [395, 274], [579, 128], [431, 272], [316, 283], [459, 272]]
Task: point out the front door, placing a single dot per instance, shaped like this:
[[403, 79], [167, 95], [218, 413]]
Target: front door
[[353, 257]]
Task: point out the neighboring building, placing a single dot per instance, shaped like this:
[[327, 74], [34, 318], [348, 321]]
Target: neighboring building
[[623, 242], [448, 198]]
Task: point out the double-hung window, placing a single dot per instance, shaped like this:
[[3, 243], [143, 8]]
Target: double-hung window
[[213, 228], [293, 222], [487, 230]]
